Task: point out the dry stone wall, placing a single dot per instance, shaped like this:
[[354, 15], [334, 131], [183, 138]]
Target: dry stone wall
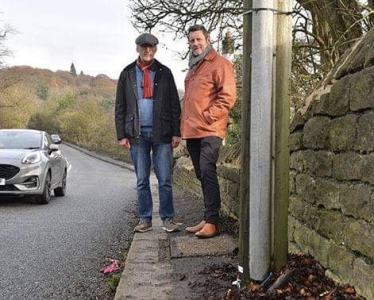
[[332, 171], [228, 169]]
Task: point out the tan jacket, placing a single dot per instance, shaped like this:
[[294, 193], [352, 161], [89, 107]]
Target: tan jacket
[[210, 92]]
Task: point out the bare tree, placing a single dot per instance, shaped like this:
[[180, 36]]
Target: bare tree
[[328, 27], [176, 16], [4, 51]]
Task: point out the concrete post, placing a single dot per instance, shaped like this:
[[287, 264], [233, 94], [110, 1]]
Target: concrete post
[[260, 146]]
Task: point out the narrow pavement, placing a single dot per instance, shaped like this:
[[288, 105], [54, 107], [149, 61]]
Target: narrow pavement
[[173, 266]]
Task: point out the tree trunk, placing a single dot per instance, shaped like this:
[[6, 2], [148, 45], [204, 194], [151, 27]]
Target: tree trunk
[[335, 26], [371, 6]]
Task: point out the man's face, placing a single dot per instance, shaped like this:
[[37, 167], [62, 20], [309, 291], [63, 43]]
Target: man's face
[[198, 42], [146, 52]]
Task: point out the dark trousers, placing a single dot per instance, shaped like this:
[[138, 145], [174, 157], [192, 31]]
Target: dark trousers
[[204, 154]]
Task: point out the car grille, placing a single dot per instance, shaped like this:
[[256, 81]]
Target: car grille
[[8, 171], [8, 188]]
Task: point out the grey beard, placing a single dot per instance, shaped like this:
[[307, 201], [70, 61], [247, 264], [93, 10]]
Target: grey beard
[[195, 59]]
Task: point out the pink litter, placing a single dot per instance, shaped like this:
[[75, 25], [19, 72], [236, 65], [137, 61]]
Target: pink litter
[[111, 268]]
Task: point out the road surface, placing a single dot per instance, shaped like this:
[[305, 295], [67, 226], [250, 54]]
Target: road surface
[[55, 251]]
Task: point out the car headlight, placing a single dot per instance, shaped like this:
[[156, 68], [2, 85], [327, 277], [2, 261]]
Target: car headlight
[[31, 158]]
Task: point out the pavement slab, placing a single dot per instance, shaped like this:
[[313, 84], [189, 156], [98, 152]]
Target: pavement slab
[[185, 246]]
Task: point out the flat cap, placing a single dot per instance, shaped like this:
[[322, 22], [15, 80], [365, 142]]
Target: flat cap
[[146, 38]]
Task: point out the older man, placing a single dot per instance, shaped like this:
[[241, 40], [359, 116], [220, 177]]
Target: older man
[[210, 92], [147, 119]]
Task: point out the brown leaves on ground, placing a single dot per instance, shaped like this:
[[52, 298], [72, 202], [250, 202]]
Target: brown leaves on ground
[[307, 280]]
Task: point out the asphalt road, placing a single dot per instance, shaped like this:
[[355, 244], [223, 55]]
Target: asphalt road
[[55, 251]]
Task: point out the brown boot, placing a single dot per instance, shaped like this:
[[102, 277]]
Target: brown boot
[[196, 228], [208, 231]]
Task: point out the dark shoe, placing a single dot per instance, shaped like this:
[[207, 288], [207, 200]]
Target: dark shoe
[[143, 226], [194, 229], [208, 231], [170, 225]]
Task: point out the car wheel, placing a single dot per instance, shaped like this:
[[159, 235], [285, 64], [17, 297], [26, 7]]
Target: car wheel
[[46, 196], [61, 191]]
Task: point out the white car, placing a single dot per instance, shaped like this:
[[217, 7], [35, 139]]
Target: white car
[[31, 165]]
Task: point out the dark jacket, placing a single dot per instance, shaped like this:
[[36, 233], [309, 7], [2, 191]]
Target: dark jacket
[[166, 106]]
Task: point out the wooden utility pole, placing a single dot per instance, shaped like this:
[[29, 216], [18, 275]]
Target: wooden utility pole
[[245, 144], [281, 134]]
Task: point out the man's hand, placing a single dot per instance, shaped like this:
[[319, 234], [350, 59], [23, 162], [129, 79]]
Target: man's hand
[[175, 141], [125, 143]]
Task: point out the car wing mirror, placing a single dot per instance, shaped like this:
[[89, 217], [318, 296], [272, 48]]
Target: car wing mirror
[[53, 147]]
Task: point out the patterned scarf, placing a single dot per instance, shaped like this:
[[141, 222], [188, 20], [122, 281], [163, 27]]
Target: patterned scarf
[[147, 81], [195, 59]]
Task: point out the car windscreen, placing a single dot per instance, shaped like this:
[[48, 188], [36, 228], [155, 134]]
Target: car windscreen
[[20, 140]]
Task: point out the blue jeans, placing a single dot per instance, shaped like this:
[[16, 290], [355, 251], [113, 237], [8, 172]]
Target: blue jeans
[[162, 157]]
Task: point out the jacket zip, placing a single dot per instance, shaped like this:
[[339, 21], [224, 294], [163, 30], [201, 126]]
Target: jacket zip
[[134, 88]]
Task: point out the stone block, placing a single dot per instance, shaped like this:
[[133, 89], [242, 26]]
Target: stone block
[[304, 212], [296, 140], [297, 121], [368, 168], [365, 132], [317, 163], [359, 236], [305, 188], [369, 56], [316, 243], [291, 227], [347, 166], [323, 163], [322, 106], [362, 90], [296, 208], [342, 65], [362, 278], [302, 237], [331, 225], [297, 161], [315, 132], [229, 171], [292, 186], [337, 102], [340, 261], [358, 59], [294, 248], [358, 201], [368, 42], [327, 193], [342, 133]]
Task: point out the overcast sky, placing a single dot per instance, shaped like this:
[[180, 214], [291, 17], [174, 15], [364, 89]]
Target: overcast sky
[[96, 35]]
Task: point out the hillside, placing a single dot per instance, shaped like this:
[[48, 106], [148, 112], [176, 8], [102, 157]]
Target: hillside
[[33, 79]]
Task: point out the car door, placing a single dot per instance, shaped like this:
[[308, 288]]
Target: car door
[[54, 159]]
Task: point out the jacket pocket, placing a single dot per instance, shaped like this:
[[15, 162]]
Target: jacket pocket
[[166, 128], [129, 126]]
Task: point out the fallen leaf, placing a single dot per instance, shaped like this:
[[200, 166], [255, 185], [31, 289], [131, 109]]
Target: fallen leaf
[[311, 278], [229, 295], [350, 290], [254, 287]]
